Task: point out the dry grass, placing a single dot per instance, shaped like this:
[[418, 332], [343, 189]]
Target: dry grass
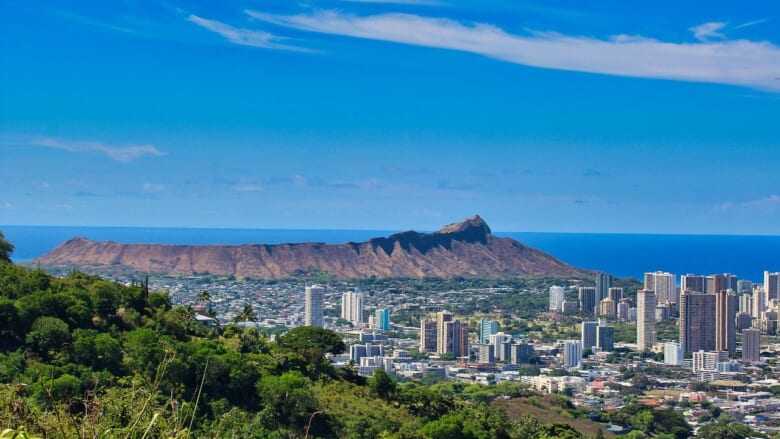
[[547, 413]]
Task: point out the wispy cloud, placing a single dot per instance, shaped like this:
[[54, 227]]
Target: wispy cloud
[[750, 23], [153, 187], [400, 2], [6, 205], [708, 31], [245, 37], [118, 153], [89, 21], [560, 198], [769, 202], [734, 62]]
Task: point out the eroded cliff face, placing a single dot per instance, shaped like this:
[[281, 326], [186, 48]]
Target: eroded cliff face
[[467, 248]]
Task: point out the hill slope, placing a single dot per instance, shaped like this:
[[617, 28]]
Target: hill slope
[[467, 248]]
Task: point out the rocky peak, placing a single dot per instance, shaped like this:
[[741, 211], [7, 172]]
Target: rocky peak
[[472, 229]]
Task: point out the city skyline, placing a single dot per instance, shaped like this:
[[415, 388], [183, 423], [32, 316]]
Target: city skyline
[[392, 115]]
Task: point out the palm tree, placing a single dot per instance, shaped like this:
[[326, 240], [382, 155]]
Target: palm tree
[[247, 314], [204, 297]]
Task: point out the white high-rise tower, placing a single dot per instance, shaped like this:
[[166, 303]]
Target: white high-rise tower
[[312, 315], [352, 307], [556, 298]]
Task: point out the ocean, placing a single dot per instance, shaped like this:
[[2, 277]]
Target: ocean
[[623, 255]]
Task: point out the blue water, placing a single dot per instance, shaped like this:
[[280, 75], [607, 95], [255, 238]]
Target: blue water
[[625, 255]]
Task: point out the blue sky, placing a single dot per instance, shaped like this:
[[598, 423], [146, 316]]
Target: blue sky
[[567, 116]]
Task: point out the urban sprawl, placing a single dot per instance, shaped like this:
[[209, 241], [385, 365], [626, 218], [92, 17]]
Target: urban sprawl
[[705, 342]]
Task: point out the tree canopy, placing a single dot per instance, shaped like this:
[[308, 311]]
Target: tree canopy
[[6, 248]]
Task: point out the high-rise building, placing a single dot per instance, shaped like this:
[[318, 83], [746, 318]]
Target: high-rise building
[[616, 294], [769, 322], [588, 334], [605, 338], [358, 351], [708, 361], [725, 321], [352, 307], [458, 332], [428, 335], [485, 353], [732, 283], [645, 319], [588, 299], [501, 345], [715, 283], [751, 345], [673, 353], [772, 285], [569, 307], [622, 311], [697, 321], [382, 319], [452, 335], [744, 286], [486, 329], [603, 283], [608, 308], [744, 321], [693, 282], [759, 302], [746, 303], [521, 353], [556, 298], [442, 317], [312, 310], [664, 285], [572, 353]]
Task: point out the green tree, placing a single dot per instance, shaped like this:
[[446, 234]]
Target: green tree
[[448, 427], [287, 398], [724, 429], [311, 343], [144, 350], [643, 421], [48, 337], [9, 325], [109, 354], [204, 297], [6, 248], [382, 385], [247, 314], [66, 388]]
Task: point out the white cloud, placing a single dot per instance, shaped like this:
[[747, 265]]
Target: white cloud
[[708, 31], [244, 37], [751, 23], [153, 187], [770, 202], [6, 205], [734, 62], [118, 153]]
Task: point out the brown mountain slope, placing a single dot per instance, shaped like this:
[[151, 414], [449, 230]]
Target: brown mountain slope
[[467, 248]]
